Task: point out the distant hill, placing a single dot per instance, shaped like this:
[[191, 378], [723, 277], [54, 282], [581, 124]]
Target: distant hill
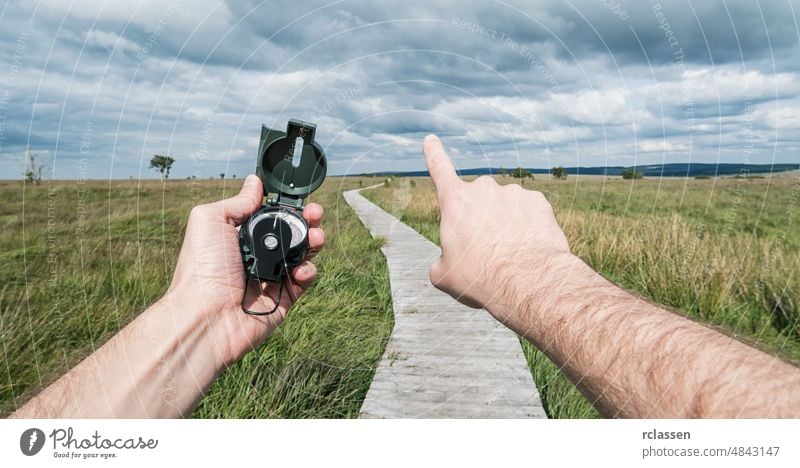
[[651, 170]]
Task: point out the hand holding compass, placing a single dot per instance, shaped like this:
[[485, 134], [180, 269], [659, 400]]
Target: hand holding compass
[[274, 239]]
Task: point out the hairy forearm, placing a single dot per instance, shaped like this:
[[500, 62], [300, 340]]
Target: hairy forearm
[[635, 359], [158, 366]]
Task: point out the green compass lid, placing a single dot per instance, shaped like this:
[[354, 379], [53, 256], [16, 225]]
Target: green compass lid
[[287, 171]]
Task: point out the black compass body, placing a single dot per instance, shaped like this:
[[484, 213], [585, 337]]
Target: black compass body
[[291, 165]]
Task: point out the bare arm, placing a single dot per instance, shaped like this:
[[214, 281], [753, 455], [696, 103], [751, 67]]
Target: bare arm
[[163, 362], [634, 359], [502, 249]]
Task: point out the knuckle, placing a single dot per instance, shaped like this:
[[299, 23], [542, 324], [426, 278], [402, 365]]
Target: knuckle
[[484, 180], [539, 196], [449, 197], [541, 200], [198, 211]]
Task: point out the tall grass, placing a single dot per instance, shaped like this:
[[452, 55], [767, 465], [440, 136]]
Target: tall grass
[[80, 261], [724, 251]]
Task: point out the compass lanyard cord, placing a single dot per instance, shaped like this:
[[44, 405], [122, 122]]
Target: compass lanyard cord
[[277, 301]]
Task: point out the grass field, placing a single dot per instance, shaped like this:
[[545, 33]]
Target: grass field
[[725, 251], [80, 261]]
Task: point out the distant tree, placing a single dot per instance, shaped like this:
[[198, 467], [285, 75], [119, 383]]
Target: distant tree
[[520, 173], [33, 173], [163, 164], [502, 171], [222, 175], [559, 172], [233, 176], [631, 173]]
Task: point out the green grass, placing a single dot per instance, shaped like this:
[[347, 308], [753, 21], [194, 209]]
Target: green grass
[[722, 250], [80, 261], [725, 251]]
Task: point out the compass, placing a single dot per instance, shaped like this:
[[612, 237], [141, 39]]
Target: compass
[[291, 165]]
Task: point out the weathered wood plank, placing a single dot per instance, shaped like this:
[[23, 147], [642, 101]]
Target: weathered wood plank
[[443, 359]]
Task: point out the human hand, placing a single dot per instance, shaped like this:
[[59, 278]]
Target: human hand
[[490, 235], [210, 279]]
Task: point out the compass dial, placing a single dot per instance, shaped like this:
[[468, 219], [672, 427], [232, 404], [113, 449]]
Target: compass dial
[[299, 229], [296, 224]]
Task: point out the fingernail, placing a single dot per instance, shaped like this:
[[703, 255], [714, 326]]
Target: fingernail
[[430, 137]]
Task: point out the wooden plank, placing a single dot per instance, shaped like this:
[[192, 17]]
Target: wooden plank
[[443, 359]]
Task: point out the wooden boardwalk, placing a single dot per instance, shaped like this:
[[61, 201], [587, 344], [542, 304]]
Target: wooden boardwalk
[[443, 359]]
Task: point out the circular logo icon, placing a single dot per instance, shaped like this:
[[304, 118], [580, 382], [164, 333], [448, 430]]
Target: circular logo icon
[[31, 441]]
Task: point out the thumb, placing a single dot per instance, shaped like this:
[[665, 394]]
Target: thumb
[[441, 169], [237, 209]]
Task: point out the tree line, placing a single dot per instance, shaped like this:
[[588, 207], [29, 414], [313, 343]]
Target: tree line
[[559, 172]]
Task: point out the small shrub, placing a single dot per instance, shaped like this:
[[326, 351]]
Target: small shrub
[[520, 173], [631, 173]]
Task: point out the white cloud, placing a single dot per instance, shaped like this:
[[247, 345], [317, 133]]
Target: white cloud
[[595, 107], [709, 86], [109, 40], [784, 117], [660, 146]]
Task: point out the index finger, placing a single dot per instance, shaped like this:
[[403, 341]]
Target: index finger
[[440, 167]]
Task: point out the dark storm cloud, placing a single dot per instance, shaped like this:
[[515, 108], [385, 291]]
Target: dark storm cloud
[[505, 83], [707, 31]]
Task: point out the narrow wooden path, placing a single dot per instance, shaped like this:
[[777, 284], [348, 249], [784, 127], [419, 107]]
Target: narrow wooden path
[[443, 359]]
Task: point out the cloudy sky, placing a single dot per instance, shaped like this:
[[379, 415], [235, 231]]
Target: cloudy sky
[[504, 83]]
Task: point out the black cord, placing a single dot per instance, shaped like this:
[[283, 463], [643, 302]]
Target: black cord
[[274, 309]]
